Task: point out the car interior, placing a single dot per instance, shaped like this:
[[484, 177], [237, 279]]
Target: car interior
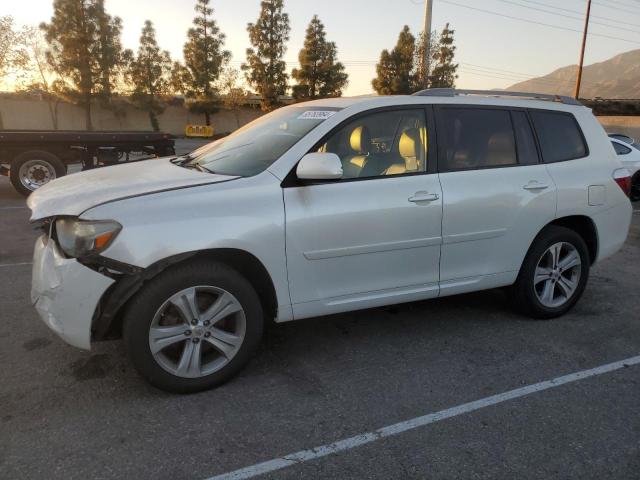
[[390, 143]]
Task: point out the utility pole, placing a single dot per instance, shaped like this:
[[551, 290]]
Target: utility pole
[[584, 44], [428, 11]]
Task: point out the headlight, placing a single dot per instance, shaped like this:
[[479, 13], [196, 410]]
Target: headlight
[[78, 238]]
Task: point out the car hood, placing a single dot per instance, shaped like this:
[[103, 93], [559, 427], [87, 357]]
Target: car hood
[[73, 194]]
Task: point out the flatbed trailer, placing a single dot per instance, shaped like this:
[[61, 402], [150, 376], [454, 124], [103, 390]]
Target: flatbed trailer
[[32, 158]]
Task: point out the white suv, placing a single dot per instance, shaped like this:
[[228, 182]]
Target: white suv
[[325, 207]]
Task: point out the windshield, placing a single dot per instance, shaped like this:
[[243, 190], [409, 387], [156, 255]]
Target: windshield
[[254, 147]]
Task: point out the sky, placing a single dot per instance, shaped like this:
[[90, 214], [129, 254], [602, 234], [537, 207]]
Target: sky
[[495, 46]]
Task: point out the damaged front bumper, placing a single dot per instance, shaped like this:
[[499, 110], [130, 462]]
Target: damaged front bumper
[[65, 293]]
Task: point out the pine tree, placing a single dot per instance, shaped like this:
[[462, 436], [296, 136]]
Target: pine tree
[[395, 71], [265, 70], [319, 75], [204, 59], [444, 72], [179, 78], [72, 47], [108, 51], [148, 73], [84, 50]]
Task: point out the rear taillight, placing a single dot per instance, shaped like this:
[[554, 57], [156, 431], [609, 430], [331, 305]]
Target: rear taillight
[[623, 179]]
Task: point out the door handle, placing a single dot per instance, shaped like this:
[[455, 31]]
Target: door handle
[[533, 185], [424, 197]]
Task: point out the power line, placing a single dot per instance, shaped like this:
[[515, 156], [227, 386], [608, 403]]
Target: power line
[[502, 76], [634, 12], [558, 27], [567, 16], [633, 24], [624, 4]]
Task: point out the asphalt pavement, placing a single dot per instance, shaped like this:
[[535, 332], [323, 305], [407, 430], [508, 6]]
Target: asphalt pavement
[[66, 413]]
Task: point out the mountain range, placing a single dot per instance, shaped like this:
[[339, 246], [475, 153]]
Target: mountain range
[[616, 78]]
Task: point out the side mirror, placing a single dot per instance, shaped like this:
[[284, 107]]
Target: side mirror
[[319, 166]]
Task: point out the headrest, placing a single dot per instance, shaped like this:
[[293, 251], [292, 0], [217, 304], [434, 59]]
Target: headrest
[[410, 143], [501, 149], [360, 140], [501, 141]]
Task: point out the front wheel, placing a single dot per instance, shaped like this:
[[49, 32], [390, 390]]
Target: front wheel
[[193, 327], [553, 275]]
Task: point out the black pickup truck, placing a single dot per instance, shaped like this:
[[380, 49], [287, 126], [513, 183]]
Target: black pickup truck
[[32, 158]]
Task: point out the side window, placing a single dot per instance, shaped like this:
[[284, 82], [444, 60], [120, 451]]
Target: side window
[[620, 149], [478, 138], [381, 144], [526, 144], [559, 135]]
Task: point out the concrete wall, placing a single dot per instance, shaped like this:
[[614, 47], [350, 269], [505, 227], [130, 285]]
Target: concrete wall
[[626, 125], [31, 114]]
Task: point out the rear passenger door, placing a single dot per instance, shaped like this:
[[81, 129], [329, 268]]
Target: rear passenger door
[[496, 195]]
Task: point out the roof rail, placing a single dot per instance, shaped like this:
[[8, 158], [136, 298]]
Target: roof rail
[[452, 92]]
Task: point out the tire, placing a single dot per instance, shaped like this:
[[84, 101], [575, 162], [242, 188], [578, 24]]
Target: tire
[[166, 152], [534, 296], [634, 195], [33, 169], [152, 311]]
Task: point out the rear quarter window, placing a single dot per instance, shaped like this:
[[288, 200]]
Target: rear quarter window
[[559, 135], [621, 149]]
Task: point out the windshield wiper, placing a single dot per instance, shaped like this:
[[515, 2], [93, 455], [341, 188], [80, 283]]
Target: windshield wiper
[[182, 159], [201, 168]]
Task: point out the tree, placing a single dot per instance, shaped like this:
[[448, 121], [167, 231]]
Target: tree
[[109, 54], [12, 54], [148, 73], [233, 95], [178, 78], [265, 69], [395, 72], [204, 59], [319, 75], [444, 72], [84, 48], [41, 76]]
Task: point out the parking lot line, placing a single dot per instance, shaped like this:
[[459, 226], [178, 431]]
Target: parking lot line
[[15, 264], [14, 208], [407, 425]]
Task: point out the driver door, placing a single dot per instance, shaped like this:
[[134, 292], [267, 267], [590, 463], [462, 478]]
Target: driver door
[[373, 237]]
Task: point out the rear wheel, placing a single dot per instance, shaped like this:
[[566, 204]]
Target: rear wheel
[[634, 195], [31, 170], [553, 275], [193, 327]]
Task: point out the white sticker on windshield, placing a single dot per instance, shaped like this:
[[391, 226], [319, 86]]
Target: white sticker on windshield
[[316, 115]]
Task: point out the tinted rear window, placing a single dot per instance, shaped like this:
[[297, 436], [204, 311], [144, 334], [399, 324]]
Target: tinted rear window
[[478, 138], [559, 135]]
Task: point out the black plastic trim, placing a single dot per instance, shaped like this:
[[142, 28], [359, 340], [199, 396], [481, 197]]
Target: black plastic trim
[[125, 287]]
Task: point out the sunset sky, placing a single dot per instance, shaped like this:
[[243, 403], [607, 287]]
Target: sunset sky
[[494, 49]]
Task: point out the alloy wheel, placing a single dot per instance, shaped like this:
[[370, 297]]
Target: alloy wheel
[[557, 275], [197, 331]]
